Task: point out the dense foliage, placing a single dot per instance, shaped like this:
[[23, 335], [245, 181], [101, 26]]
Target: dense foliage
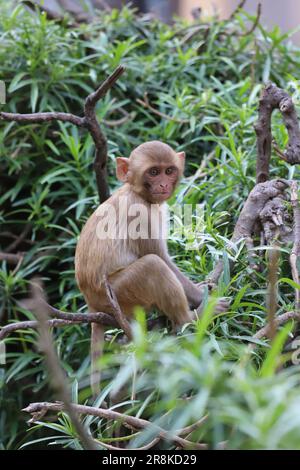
[[208, 87]]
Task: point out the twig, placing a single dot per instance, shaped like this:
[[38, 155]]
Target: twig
[[11, 258], [117, 312], [98, 317], [147, 104], [8, 234], [280, 320], [256, 21], [239, 7], [89, 121], [295, 253], [139, 423], [44, 117], [13, 245], [61, 319], [56, 375], [278, 151], [145, 447], [191, 34], [30, 324], [192, 427], [117, 122]]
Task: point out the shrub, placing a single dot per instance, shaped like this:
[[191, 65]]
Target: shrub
[[204, 93]]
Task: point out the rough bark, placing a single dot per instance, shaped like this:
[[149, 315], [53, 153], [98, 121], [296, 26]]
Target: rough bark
[[271, 98]]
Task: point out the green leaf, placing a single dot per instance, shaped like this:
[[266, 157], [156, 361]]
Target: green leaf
[[34, 96], [273, 357]]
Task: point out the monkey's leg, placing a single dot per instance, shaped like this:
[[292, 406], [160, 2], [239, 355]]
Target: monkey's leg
[[148, 282]]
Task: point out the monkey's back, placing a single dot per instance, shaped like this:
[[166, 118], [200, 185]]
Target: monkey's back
[[96, 255]]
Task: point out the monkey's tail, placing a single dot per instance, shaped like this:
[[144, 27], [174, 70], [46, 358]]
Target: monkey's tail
[[97, 343]]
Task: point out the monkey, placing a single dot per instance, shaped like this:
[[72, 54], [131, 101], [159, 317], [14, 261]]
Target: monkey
[[137, 265]]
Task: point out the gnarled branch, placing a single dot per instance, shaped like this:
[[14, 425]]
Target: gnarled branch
[[271, 98], [37, 410], [88, 121]]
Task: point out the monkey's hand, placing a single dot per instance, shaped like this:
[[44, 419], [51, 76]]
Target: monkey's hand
[[221, 306], [209, 284]]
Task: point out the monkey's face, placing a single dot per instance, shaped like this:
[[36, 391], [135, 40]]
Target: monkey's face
[[159, 182], [152, 171]]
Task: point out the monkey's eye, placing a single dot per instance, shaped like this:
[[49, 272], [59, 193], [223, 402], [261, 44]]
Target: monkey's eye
[[169, 171], [154, 171]]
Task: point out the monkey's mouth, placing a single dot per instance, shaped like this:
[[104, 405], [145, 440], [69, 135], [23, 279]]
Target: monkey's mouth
[[161, 193]]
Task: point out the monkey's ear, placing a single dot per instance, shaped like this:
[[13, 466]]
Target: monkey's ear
[[122, 168], [181, 156]]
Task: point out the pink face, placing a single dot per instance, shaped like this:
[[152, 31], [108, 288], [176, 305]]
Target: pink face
[[160, 181]]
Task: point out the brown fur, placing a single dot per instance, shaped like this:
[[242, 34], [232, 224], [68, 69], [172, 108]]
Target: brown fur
[[139, 270]]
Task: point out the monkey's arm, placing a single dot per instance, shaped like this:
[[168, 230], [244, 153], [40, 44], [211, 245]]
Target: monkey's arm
[[193, 293]]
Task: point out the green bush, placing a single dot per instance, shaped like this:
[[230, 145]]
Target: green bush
[[208, 88]]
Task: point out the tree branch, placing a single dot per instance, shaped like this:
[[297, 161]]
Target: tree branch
[[88, 121], [61, 319], [271, 98], [117, 312], [147, 104], [256, 21], [39, 409], [260, 195], [11, 258], [238, 8], [280, 320], [295, 253]]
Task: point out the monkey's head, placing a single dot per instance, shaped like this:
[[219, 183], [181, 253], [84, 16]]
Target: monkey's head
[[153, 170]]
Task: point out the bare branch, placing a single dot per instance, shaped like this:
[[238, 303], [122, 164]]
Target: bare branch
[[295, 253], [192, 427], [61, 319], [139, 423], [13, 245], [145, 447], [118, 314], [147, 104], [280, 320], [260, 195], [256, 21], [11, 258], [96, 132], [273, 97], [43, 117], [30, 324], [238, 8], [88, 121]]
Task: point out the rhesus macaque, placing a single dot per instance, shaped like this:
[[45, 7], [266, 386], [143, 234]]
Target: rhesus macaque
[[137, 264]]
